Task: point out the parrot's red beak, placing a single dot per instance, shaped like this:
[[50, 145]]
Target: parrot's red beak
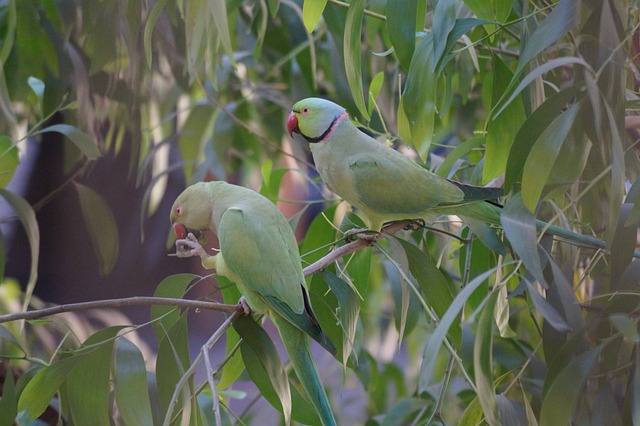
[[180, 230], [292, 124]]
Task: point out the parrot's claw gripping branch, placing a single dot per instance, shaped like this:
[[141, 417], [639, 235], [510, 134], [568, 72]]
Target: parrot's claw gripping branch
[[243, 307]]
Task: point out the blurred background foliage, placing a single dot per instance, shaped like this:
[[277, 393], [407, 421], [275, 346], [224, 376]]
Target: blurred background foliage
[[110, 107]]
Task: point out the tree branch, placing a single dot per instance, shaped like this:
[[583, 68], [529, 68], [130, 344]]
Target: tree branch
[[364, 240], [117, 303]]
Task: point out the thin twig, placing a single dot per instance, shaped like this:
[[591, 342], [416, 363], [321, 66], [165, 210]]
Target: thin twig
[[117, 303], [205, 348]]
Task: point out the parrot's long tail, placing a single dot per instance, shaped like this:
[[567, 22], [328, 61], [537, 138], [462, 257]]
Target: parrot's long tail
[[297, 345]]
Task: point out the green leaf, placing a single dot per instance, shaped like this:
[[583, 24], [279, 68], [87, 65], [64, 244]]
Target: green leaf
[[560, 401], [491, 10], [374, 91], [312, 12], [447, 169], [28, 219], [9, 401], [419, 98], [531, 130], [562, 18], [626, 326], [541, 158], [8, 160], [444, 20], [149, 27], [174, 286], [347, 312], [234, 367], [130, 384], [400, 14], [83, 141], [39, 391], [171, 363], [196, 131], [501, 128], [438, 337], [434, 285], [101, 225], [218, 11], [87, 387], [257, 346], [483, 362], [353, 54]]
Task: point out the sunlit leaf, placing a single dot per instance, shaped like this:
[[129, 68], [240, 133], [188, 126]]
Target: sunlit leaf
[[8, 160], [312, 12], [174, 286], [507, 123], [444, 19], [103, 231]]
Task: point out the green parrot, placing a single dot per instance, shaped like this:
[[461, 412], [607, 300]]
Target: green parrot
[[386, 185], [258, 251]]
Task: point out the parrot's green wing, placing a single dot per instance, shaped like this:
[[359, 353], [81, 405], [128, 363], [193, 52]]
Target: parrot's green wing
[[259, 249], [389, 183]]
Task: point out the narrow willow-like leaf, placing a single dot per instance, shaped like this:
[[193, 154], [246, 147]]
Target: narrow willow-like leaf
[[171, 363], [520, 228], [498, 128], [530, 132], [87, 387], [174, 286], [353, 54], [28, 219], [434, 285], [312, 12], [444, 19], [560, 401], [196, 131], [347, 312], [473, 414], [491, 10], [8, 160], [483, 362], [83, 141], [101, 225], [419, 97], [450, 164], [148, 30], [218, 10], [400, 15], [561, 19], [439, 334], [257, 346], [542, 156], [9, 401], [374, 90], [130, 384]]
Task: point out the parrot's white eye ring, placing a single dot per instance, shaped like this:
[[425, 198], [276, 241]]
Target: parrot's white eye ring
[[179, 210]]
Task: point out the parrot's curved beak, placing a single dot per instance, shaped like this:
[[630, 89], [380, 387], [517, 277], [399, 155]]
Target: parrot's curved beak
[[182, 231], [292, 124]]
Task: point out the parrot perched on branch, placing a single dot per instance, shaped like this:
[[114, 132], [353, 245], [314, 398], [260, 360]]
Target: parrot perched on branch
[[386, 185], [258, 251]]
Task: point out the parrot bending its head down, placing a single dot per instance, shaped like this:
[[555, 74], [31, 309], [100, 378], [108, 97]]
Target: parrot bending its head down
[[379, 181], [258, 251]]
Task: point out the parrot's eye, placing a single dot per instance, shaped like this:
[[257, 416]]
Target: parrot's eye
[[179, 210], [305, 110]]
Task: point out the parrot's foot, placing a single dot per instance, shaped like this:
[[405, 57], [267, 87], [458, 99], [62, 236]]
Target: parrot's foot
[[362, 234], [415, 224], [188, 247], [243, 306]]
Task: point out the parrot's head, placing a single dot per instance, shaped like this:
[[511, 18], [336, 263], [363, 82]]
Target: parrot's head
[[315, 119], [191, 212]]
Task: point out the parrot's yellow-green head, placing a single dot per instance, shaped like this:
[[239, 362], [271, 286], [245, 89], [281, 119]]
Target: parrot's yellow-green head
[[315, 119], [191, 212]]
